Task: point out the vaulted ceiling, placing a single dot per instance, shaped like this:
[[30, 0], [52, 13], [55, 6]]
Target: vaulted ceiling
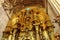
[[27, 2], [23, 3]]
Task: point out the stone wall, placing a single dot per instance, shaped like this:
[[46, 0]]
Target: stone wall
[[52, 14], [3, 20]]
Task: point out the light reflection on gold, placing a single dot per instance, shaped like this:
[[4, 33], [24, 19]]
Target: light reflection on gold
[[46, 35], [26, 25]]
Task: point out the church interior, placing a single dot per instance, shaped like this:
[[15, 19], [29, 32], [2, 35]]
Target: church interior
[[29, 20]]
